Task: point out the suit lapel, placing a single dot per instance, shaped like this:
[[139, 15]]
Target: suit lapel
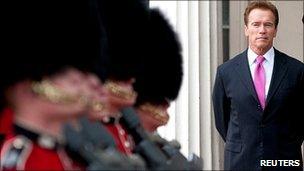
[[279, 71], [242, 68]]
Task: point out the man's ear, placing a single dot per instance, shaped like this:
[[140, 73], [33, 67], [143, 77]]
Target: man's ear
[[275, 33], [246, 30]]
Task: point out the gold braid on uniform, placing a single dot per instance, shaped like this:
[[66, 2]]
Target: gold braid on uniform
[[119, 90], [155, 112], [48, 91]]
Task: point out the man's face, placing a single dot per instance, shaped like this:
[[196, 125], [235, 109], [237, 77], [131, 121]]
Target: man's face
[[260, 30]]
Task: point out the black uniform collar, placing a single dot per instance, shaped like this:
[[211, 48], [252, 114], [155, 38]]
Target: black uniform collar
[[43, 140], [1, 139]]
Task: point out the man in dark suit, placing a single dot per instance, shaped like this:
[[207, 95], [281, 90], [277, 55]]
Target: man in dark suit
[[258, 99]]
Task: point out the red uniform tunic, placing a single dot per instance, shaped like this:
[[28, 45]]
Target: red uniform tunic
[[25, 150], [6, 120], [122, 139]]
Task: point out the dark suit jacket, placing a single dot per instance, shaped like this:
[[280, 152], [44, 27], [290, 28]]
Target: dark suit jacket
[[250, 133]]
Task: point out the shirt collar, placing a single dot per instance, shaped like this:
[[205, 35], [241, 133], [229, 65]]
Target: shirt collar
[[269, 56]]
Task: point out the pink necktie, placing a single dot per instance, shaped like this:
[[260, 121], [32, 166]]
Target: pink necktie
[[260, 80]]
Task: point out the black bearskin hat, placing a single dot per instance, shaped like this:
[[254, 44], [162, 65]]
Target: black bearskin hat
[[161, 75], [40, 38], [125, 23]]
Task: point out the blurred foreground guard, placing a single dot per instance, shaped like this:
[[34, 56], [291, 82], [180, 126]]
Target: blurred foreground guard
[[258, 99], [126, 28], [50, 50]]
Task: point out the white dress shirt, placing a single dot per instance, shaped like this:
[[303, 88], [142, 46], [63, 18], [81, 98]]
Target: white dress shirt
[[267, 64]]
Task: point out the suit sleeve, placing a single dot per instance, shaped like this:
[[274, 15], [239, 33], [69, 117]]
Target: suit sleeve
[[221, 105]]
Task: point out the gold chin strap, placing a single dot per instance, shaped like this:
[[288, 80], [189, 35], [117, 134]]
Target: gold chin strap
[[53, 94], [48, 91], [155, 112], [119, 91], [97, 106]]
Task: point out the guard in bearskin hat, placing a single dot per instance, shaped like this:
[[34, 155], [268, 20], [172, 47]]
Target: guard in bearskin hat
[[127, 32], [160, 79], [157, 85]]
